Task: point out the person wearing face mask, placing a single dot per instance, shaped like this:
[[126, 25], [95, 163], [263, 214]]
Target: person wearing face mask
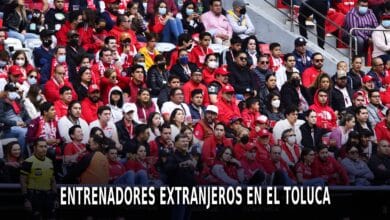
[[74, 52], [13, 116], [32, 79], [290, 149], [273, 109], [183, 67], [59, 58], [73, 23], [191, 19], [157, 75], [44, 53], [33, 100], [239, 20], [243, 142], [360, 17], [380, 39], [19, 59]]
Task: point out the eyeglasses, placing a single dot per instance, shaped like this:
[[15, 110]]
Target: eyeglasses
[[264, 62], [243, 58], [318, 60]]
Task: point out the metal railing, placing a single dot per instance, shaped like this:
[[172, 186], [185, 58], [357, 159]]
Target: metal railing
[[291, 17]]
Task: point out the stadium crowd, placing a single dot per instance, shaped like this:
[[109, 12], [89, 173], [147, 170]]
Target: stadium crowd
[[96, 102]]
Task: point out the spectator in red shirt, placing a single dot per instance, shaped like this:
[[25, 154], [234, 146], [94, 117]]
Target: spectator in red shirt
[[227, 103], [61, 105], [210, 66], [227, 169], [303, 169], [328, 168], [251, 112], [195, 83], [137, 82], [326, 117], [53, 86], [278, 169], [74, 20], [204, 128], [184, 43], [117, 170], [74, 150], [110, 80], [90, 105], [199, 52], [123, 26], [263, 145], [310, 74], [290, 149], [253, 170], [142, 167], [382, 129]]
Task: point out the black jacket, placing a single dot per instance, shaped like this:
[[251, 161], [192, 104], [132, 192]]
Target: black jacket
[[179, 71], [289, 95], [156, 81], [51, 19], [73, 59], [240, 78], [179, 176], [337, 99], [307, 139], [382, 176], [123, 134]]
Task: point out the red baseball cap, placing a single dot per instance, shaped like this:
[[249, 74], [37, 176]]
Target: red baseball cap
[[15, 70], [250, 146], [367, 78], [222, 70], [356, 94], [227, 89], [263, 133], [92, 88], [262, 119]]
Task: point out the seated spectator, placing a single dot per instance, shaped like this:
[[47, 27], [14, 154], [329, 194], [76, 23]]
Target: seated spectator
[[291, 121], [227, 102], [13, 116], [112, 80], [196, 105], [241, 77], [367, 146], [341, 95], [182, 68], [117, 171], [251, 112], [275, 166], [104, 122], [227, 169], [144, 106], [358, 172], [290, 149], [379, 39], [377, 72], [61, 105], [19, 58], [284, 70], [110, 42], [163, 23], [48, 69], [376, 110], [115, 97], [163, 96], [149, 51], [127, 51], [385, 94], [311, 133], [341, 133], [56, 17], [326, 117], [73, 20], [360, 17], [170, 4], [126, 125], [193, 84], [104, 64], [204, 128], [295, 94], [176, 121], [261, 72], [328, 168], [83, 81], [380, 163], [201, 50], [209, 68], [33, 100], [276, 58], [227, 56], [382, 129], [90, 104], [361, 115], [73, 118], [355, 74], [324, 82], [214, 144], [141, 137], [191, 19], [302, 55], [163, 143], [154, 123], [142, 167], [311, 73], [240, 21], [31, 79], [217, 24], [253, 170], [136, 16], [13, 160], [56, 82], [273, 110], [44, 53], [123, 26], [193, 143], [358, 99], [74, 150], [303, 169], [177, 101], [270, 86], [263, 144], [158, 75], [242, 143]]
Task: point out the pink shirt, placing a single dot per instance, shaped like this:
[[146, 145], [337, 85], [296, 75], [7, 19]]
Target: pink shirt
[[216, 25]]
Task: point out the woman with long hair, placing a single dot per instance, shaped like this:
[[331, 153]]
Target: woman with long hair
[[176, 122], [33, 100], [191, 19], [323, 81], [12, 162], [145, 106], [251, 47], [303, 169], [82, 82], [341, 133], [154, 123], [273, 110], [227, 169], [209, 66], [19, 58], [270, 87]]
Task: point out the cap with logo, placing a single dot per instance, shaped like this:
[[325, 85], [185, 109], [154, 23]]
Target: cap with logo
[[128, 107], [212, 108], [300, 41], [92, 88]]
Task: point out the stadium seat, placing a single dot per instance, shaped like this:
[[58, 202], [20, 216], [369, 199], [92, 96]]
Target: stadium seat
[[32, 43]]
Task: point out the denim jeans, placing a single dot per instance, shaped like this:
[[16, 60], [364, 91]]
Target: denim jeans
[[172, 29], [20, 134], [133, 178], [22, 37], [314, 182]]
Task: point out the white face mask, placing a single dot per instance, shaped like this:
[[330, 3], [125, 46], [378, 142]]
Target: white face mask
[[19, 62], [141, 64], [212, 64], [257, 128], [39, 98], [13, 96], [291, 140], [275, 103]]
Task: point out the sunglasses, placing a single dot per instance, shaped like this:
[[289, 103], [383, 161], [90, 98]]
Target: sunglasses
[[243, 58], [319, 60], [264, 62]]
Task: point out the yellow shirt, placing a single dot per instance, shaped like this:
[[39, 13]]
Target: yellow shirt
[[149, 58], [39, 173]]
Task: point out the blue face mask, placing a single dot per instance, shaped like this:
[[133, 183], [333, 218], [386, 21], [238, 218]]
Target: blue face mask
[[32, 80], [61, 58], [189, 11], [363, 10], [183, 60], [162, 11], [386, 23]]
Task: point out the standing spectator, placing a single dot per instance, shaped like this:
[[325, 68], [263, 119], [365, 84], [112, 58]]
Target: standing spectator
[[382, 129], [355, 74], [157, 75], [217, 24], [90, 105], [240, 21], [380, 163], [61, 105], [56, 17], [361, 17], [303, 169], [379, 39], [311, 134], [321, 7], [199, 52], [144, 106], [326, 117], [376, 111], [341, 94], [341, 133], [311, 73], [75, 149], [194, 84], [358, 172], [285, 70], [328, 168], [295, 94], [291, 121], [227, 102], [70, 119], [126, 125], [39, 188], [377, 72], [302, 55]]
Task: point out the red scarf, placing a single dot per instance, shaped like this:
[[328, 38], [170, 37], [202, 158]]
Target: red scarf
[[47, 130], [54, 63], [289, 153]]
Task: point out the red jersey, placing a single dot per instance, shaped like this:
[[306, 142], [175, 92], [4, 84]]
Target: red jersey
[[198, 55], [189, 86], [61, 108], [228, 110], [309, 76], [327, 170], [52, 90], [89, 110], [382, 131], [209, 149], [116, 170]]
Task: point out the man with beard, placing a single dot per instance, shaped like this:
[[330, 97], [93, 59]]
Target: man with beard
[[71, 119], [302, 55], [378, 72], [205, 127], [56, 17], [90, 105], [261, 71], [341, 94], [309, 76]]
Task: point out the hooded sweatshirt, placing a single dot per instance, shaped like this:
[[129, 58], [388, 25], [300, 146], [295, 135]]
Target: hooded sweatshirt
[[116, 110], [326, 118]]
